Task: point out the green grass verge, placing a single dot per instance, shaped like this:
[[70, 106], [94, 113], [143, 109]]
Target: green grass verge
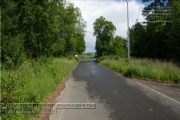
[[32, 82], [144, 68], [85, 57]]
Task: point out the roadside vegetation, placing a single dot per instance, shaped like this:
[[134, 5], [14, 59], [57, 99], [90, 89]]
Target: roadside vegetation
[[36, 35], [147, 69], [32, 82], [86, 56], [152, 41], [33, 28]]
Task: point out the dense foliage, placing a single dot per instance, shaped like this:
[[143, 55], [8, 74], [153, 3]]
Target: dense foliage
[[32, 83], [35, 28], [33, 32], [106, 44], [159, 37]]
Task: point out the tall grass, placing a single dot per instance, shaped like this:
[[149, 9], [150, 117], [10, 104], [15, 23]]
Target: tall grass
[[32, 82], [145, 69]]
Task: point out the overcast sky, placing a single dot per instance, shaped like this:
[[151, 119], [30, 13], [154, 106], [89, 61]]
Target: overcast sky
[[112, 10]]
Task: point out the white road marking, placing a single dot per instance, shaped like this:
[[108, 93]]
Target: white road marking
[[159, 93]]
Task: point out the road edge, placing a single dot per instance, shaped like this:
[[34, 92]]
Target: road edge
[[52, 97]]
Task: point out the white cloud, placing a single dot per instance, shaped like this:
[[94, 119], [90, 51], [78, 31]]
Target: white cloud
[[113, 11]]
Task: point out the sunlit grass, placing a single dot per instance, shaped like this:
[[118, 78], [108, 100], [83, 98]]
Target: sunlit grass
[[33, 82], [145, 69]]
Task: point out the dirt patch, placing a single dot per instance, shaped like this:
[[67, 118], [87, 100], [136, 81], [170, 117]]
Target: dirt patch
[[52, 98]]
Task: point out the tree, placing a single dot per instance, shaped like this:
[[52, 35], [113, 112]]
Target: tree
[[158, 38], [156, 14], [37, 22], [104, 31], [36, 28], [45, 23], [119, 46], [174, 32], [80, 47], [139, 41], [12, 39]]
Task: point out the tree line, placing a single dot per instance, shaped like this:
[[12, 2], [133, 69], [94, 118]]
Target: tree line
[[35, 28], [158, 38], [106, 42]]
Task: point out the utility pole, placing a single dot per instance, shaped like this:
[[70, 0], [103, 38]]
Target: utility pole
[[128, 39], [156, 30]]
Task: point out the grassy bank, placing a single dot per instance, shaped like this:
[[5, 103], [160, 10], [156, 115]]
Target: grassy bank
[[86, 56], [32, 82], [144, 69]]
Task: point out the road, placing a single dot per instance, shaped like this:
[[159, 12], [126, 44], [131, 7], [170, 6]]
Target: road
[[116, 97]]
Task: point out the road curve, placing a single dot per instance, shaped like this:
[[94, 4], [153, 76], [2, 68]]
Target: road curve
[[116, 97]]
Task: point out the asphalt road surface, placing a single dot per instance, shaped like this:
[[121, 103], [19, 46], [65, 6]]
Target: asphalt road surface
[[115, 97]]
